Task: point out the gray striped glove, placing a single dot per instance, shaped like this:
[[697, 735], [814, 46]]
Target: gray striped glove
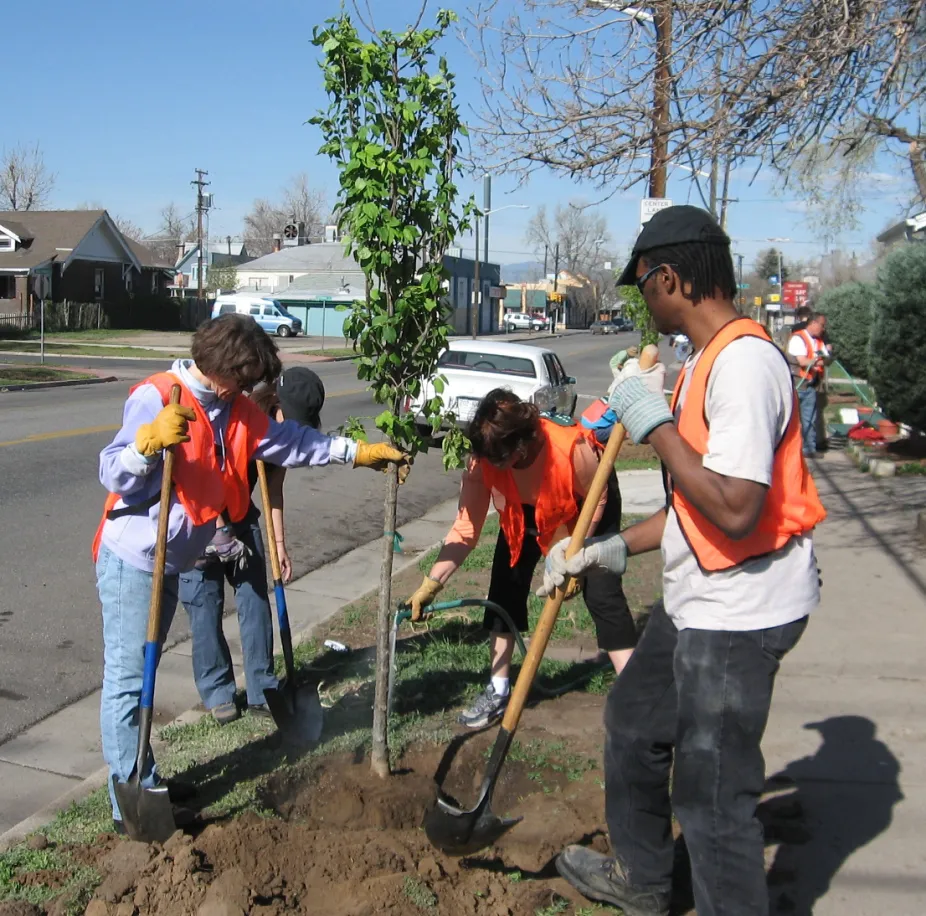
[[639, 409], [604, 553]]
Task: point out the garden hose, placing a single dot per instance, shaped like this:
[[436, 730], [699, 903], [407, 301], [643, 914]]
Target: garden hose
[[404, 613]]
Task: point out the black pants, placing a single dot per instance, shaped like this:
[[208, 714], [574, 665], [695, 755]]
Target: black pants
[[510, 585], [703, 695]]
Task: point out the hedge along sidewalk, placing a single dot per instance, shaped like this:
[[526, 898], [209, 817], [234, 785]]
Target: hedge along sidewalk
[[55, 763]]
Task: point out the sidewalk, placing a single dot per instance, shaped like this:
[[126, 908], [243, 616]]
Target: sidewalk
[[58, 760]]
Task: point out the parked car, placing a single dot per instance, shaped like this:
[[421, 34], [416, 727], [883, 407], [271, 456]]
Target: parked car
[[601, 327], [267, 312], [621, 325], [472, 368], [521, 321]]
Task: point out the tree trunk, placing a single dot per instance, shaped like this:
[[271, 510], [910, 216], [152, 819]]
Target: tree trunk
[[380, 755], [918, 165]]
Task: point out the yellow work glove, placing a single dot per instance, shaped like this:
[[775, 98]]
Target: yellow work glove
[[380, 455], [168, 428], [424, 596]]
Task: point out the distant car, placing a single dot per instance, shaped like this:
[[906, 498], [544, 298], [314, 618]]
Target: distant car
[[621, 325], [521, 321], [472, 368], [601, 327], [267, 312]]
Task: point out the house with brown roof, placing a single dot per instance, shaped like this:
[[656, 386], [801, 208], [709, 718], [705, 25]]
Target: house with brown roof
[[73, 255]]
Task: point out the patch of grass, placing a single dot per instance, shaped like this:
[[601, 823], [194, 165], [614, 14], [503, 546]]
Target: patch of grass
[[546, 757], [21, 870], [419, 893], [558, 906], [95, 334], [65, 349], [636, 464], [333, 352], [911, 468], [24, 375]]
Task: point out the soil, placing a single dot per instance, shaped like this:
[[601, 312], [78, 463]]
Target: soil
[[347, 843]]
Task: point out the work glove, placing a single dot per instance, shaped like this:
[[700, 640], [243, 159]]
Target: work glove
[[168, 428], [604, 553], [621, 357], [638, 399], [425, 595], [380, 455], [226, 548]]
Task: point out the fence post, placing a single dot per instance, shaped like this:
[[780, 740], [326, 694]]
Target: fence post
[[42, 332]]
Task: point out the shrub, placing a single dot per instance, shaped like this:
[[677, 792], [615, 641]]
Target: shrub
[[898, 336], [849, 310]]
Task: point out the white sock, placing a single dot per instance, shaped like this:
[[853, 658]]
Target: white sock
[[501, 686]]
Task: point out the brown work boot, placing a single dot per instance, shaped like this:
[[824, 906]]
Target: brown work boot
[[601, 878]]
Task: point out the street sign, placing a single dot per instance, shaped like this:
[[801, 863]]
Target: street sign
[[757, 300], [773, 307], [650, 206], [794, 293], [774, 297], [323, 298], [773, 280], [744, 286]]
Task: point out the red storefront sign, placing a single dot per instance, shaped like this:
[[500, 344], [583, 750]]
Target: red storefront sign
[[794, 294]]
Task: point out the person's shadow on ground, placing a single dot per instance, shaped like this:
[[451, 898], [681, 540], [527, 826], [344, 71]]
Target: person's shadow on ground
[[828, 806]]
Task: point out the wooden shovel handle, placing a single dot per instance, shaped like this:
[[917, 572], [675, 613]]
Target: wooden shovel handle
[[160, 546], [544, 628], [268, 521]]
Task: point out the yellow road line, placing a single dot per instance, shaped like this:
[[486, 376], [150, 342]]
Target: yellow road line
[[90, 430], [63, 434]]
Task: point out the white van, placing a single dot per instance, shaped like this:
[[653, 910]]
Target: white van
[[267, 312]]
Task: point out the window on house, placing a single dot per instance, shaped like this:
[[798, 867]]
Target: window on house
[[99, 283], [155, 289], [6, 243], [7, 286], [128, 281]]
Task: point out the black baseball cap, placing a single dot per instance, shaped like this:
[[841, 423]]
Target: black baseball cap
[[302, 396], [673, 226]]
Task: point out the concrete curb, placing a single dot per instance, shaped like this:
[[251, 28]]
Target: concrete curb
[[64, 383]]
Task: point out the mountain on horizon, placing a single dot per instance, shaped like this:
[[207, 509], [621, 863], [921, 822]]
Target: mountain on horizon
[[522, 272]]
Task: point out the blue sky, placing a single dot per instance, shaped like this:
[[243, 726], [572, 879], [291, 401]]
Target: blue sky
[[126, 99]]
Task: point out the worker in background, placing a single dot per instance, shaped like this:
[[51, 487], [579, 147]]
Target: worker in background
[[536, 472], [808, 356], [684, 721]]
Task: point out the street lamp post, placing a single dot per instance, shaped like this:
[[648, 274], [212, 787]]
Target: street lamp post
[[477, 290]]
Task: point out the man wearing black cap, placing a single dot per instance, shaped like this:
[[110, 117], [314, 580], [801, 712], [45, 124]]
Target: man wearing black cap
[[739, 581], [236, 554]]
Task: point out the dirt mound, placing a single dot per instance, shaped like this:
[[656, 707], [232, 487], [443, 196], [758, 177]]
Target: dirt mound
[[350, 844]]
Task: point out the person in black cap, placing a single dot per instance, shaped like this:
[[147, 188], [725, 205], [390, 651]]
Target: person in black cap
[[236, 554], [739, 581]]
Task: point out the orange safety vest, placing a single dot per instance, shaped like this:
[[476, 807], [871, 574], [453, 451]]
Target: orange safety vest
[[204, 487], [556, 503], [792, 506], [811, 372]]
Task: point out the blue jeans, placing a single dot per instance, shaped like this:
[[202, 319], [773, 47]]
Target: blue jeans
[[125, 593], [701, 697], [202, 592], [807, 401]]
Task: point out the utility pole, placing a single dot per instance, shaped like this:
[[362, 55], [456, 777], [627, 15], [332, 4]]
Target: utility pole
[[486, 206], [199, 184], [546, 252], [741, 296], [662, 92], [474, 308]]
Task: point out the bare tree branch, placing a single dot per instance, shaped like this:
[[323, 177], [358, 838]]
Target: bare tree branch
[[25, 182], [299, 203]]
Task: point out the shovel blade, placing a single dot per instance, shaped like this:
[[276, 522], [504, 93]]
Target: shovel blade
[[297, 713], [463, 833], [146, 813]]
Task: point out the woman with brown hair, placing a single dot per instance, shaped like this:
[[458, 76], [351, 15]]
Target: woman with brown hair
[[537, 473]]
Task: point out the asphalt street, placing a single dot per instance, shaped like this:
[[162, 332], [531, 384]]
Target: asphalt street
[[51, 499]]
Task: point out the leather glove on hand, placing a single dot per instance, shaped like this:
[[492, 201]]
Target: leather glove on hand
[[605, 553], [424, 596], [168, 428], [380, 455], [226, 548]]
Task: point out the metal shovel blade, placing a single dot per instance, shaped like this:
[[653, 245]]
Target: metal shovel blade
[[146, 813], [461, 833], [297, 713]]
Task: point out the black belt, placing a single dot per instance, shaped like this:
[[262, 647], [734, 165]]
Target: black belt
[[136, 509]]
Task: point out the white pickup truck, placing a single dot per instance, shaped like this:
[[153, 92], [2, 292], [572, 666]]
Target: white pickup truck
[[472, 368]]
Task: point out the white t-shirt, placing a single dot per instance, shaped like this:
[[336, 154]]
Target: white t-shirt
[[748, 406], [797, 346]]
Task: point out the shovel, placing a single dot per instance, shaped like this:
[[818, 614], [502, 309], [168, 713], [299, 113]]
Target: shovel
[[146, 812], [461, 833], [297, 711]]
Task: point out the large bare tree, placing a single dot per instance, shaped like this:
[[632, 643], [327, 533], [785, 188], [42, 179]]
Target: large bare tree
[[25, 182], [589, 90], [299, 202], [579, 230]]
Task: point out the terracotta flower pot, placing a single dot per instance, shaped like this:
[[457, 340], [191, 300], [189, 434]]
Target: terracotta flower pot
[[888, 428]]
